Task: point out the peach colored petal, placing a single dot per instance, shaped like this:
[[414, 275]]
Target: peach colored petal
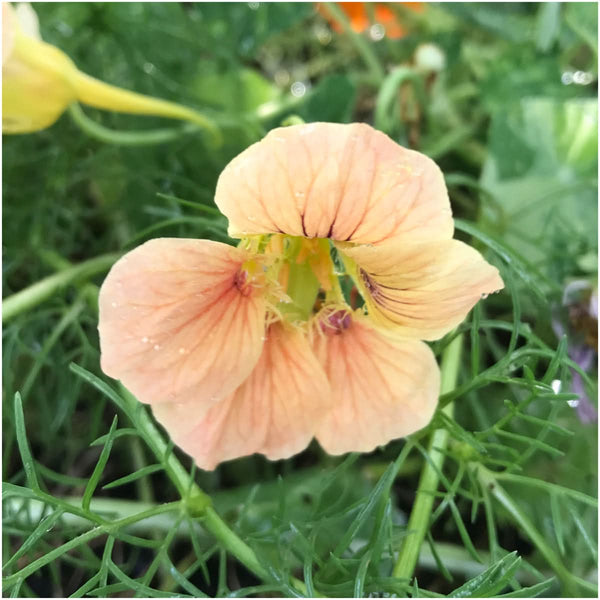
[[274, 412], [422, 290], [381, 388], [178, 322], [344, 182]]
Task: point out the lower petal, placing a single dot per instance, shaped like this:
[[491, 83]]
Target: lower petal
[[178, 321], [274, 412], [422, 290], [381, 388]]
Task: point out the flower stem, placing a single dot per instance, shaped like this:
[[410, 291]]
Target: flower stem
[[42, 290], [127, 138], [199, 504], [421, 512], [94, 92], [362, 46]]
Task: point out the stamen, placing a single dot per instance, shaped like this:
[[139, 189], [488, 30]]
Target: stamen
[[335, 321]]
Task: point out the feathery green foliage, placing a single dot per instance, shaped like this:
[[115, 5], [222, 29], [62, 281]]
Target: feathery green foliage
[[495, 498]]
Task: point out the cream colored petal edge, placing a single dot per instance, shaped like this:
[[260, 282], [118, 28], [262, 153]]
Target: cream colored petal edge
[[28, 20], [174, 325], [9, 30], [328, 180], [274, 412], [422, 291], [382, 388]]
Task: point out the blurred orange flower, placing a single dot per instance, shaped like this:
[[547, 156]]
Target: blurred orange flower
[[360, 16]]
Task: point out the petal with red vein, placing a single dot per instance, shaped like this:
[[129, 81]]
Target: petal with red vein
[[422, 290], [327, 180], [382, 388], [178, 322], [274, 412]]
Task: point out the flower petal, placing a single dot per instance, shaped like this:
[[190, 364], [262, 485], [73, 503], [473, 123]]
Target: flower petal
[[274, 412], [36, 87], [381, 388], [344, 182], [28, 20], [176, 323], [9, 30], [422, 290]]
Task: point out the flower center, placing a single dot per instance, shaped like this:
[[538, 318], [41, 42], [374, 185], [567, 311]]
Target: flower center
[[302, 274], [334, 322], [250, 275]]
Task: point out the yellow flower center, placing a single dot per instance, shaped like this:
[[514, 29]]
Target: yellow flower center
[[300, 270]]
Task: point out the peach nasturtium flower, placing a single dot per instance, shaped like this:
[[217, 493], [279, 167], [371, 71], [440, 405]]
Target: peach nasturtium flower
[[39, 82], [254, 348]]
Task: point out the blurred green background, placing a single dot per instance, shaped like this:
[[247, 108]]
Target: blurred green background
[[502, 95]]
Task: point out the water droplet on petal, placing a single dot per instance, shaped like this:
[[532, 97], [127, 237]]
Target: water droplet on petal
[[144, 340], [156, 347], [484, 296], [114, 305], [181, 350]]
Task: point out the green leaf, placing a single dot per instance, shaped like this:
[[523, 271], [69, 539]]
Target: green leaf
[[527, 272], [100, 386], [45, 525], [548, 25], [541, 165], [23, 444], [148, 470], [359, 582], [491, 581], [97, 473], [530, 592], [331, 100]]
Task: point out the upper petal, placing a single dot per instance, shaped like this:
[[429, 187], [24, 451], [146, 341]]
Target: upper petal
[[422, 290], [9, 30], [381, 388], [274, 412], [345, 182], [178, 321], [28, 20]]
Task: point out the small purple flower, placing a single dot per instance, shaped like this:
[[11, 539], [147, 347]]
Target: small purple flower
[[581, 300]]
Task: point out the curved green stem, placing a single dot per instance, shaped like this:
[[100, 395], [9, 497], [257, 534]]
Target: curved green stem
[[42, 290], [362, 46], [94, 92], [419, 517], [127, 138], [388, 94], [199, 504]]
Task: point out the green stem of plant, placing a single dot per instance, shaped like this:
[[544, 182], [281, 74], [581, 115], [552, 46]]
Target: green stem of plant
[[362, 46], [42, 290], [128, 138], [419, 517], [199, 504], [93, 92]]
